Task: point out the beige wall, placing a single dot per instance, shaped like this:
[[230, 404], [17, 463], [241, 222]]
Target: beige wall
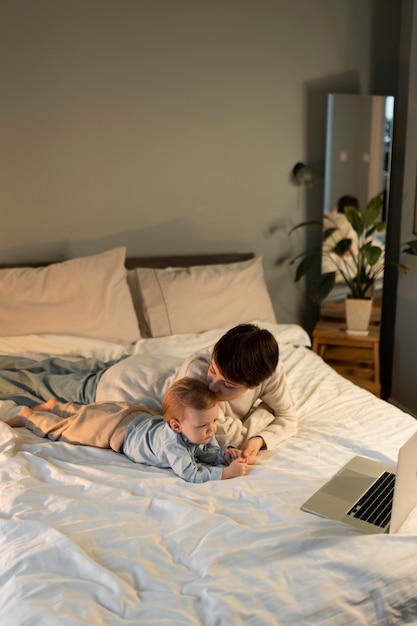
[[169, 126]]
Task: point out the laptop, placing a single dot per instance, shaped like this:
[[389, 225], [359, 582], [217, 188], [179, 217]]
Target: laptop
[[369, 495]]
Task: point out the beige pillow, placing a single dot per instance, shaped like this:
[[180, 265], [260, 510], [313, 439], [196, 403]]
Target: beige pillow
[[87, 297], [200, 298]]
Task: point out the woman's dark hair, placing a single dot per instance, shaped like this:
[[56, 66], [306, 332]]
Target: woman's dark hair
[[246, 355]]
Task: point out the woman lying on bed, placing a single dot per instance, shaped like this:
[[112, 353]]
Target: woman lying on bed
[[243, 370]]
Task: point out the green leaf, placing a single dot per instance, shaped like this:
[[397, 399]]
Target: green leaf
[[322, 286], [302, 224], [372, 253], [411, 247], [342, 246], [376, 202], [328, 232], [306, 264], [372, 210], [354, 217], [314, 253]]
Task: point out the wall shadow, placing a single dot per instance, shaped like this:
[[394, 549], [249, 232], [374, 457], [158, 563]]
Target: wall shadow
[[164, 239]]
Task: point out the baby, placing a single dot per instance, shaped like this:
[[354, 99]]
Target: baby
[[182, 439]]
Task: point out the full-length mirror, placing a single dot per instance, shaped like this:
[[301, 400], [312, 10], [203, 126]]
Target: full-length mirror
[[358, 154]]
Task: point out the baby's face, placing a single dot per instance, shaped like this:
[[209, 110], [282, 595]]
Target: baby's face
[[222, 388], [199, 426]]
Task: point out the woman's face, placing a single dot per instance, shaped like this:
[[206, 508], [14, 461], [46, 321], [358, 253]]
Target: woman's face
[[222, 388]]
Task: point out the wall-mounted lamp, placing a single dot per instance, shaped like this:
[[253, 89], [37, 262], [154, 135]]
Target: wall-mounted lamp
[[302, 174]]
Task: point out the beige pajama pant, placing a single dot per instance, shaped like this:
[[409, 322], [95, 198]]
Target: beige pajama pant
[[100, 424]]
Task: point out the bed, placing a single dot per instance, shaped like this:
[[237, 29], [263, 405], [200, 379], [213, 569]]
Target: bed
[[88, 537]]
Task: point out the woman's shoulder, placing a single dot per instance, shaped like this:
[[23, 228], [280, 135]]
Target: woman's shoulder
[[195, 366]]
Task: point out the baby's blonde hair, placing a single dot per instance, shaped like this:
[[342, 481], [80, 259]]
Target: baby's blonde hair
[[186, 392]]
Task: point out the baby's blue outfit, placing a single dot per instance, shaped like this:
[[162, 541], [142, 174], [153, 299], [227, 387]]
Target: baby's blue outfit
[[152, 441]]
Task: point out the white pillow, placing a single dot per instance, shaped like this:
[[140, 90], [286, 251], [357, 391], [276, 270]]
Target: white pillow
[[87, 297], [199, 298]]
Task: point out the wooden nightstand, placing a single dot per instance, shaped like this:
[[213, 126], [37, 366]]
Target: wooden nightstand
[[355, 357]]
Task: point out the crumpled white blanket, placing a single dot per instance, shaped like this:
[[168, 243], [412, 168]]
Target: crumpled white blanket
[[88, 537]]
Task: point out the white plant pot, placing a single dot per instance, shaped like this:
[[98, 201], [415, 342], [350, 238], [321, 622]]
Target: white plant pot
[[358, 315]]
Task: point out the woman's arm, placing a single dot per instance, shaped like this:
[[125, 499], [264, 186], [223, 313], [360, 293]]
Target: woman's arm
[[274, 418]]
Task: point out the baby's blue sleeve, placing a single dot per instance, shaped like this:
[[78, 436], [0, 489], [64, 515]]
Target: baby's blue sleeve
[[212, 453], [184, 465]]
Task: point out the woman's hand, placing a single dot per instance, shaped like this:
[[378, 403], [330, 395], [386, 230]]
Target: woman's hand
[[251, 449]]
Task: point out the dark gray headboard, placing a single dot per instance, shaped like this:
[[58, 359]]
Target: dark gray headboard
[[160, 261]]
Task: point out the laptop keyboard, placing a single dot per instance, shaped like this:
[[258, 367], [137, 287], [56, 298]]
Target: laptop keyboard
[[375, 506]]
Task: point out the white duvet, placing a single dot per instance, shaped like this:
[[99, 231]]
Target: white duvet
[[88, 537]]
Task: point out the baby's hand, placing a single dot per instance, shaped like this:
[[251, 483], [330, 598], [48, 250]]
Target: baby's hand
[[238, 467], [230, 454]]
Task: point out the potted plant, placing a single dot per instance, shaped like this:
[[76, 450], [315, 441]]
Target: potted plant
[[357, 259]]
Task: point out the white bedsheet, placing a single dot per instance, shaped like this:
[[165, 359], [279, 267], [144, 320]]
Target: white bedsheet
[[87, 537]]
